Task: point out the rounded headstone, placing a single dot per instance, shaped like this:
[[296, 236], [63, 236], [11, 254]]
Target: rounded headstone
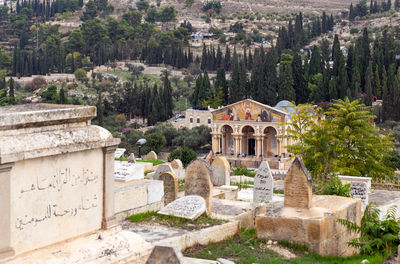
[[176, 164], [221, 172], [198, 181], [151, 155], [170, 186]]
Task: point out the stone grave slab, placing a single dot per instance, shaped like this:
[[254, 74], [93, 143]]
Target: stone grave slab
[[189, 207], [161, 169], [263, 184], [198, 181], [132, 158], [119, 152], [170, 186], [298, 185], [359, 190], [126, 171], [221, 172]]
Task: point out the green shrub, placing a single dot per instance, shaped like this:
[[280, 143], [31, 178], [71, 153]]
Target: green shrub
[[80, 75], [376, 236], [242, 170], [155, 142], [186, 155], [334, 187]]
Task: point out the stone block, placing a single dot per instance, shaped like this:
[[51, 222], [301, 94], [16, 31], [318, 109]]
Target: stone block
[[155, 191], [316, 227], [221, 172], [163, 254], [129, 197]]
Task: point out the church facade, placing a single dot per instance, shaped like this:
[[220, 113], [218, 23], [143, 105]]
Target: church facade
[[248, 132]]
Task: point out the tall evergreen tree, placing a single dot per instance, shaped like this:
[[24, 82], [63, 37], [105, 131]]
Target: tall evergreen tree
[[268, 94], [167, 94], [286, 83], [368, 86], [300, 86], [11, 91], [221, 82]]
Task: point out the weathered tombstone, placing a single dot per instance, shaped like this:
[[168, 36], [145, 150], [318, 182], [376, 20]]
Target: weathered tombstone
[[198, 181], [170, 186], [208, 158], [161, 169], [150, 156], [126, 171], [176, 164], [263, 184], [189, 207], [165, 255], [298, 185], [359, 190], [132, 158], [221, 172], [119, 152], [56, 176]]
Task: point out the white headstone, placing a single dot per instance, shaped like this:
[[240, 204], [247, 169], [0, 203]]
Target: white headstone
[[189, 207], [161, 169], [132, 158], [359, 190], [119, 152], [263, 184], [126, 171]]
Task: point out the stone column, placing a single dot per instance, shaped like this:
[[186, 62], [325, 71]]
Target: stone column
[[223, 151], [6, 252], [262, 146], [215, 143], [236, 145], [278, 140], [258, 146], [109, 219]]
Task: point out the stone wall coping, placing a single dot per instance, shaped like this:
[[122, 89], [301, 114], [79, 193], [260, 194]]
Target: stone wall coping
[[41, 144], [37, 115], [355, 178]]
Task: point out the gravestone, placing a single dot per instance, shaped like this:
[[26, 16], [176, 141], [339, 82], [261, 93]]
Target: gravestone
[[161, 169], [209, 156], [178, 169], [132, 158], [188, 207], [221, 172], [163, 254], [170, 186], [176, 164], [56, 176], [119, 152], [263, 184], [150, 156], [126, 171], [298, 185], [359, 190], [198, 181]]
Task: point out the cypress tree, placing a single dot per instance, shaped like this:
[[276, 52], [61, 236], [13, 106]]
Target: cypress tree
[[286, 83], [195, 96], [385, 96], [167, 95], [377, 89], [368, 85], [269, 94], [221, 82], [204, 55], [301, 89], [316, 64], [219, 58], [235, 78], [63, 99], [342, 80], [227, 59]]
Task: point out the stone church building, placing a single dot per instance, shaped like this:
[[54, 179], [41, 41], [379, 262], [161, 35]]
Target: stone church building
[[248, 132]]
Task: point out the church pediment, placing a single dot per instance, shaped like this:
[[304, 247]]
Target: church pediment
[[248, 110]]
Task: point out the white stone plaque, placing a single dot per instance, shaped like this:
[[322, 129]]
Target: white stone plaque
[[263, 184], [359, 190], [126, 171], [119, 152], [189, 207]]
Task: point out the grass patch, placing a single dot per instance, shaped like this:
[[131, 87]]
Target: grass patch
[[278, 192], [181, 185], [243, 185], [245, 248], [154, 161], [199, 223]]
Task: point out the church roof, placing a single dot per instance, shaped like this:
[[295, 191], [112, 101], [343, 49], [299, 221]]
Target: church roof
[[255, 102]]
